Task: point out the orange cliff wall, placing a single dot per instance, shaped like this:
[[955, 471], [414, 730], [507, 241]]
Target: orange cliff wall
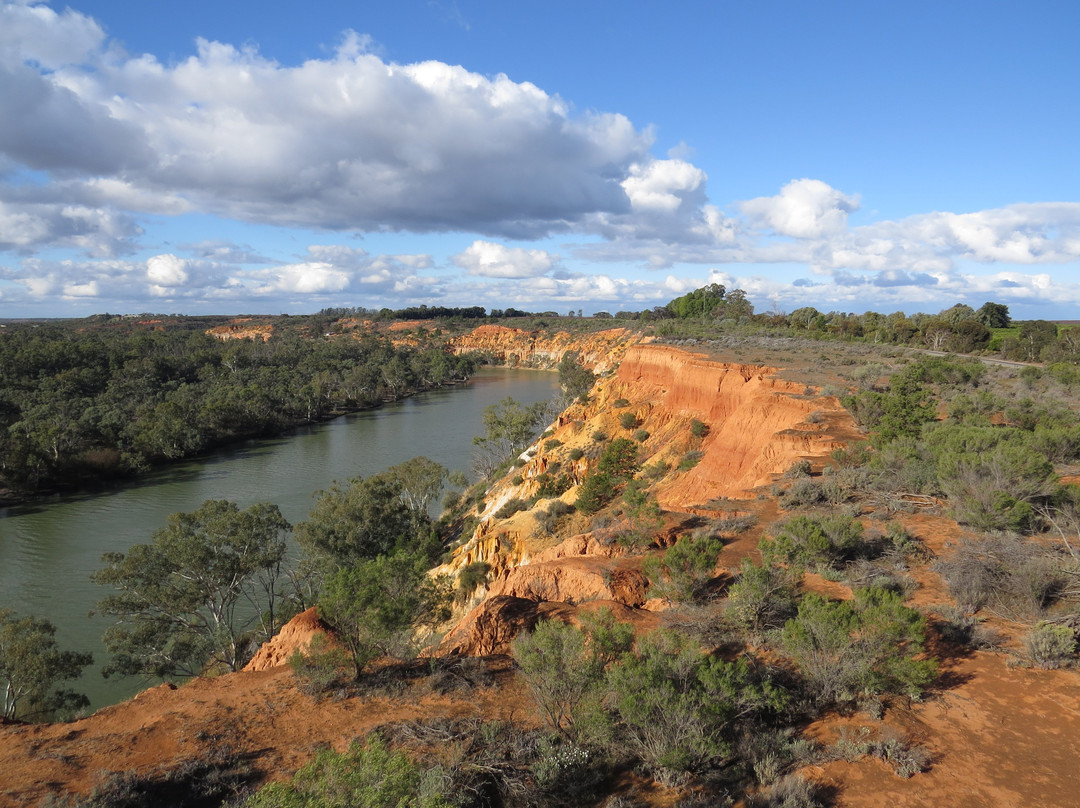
[[599, 351], [758, 427], [757, 423]]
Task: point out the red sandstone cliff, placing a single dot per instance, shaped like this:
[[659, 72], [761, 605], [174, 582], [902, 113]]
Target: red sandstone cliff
[[599, 351], [758, 426]]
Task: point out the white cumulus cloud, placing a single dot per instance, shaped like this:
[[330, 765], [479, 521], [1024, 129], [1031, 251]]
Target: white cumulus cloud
[[803, 209], [492, 260], [167, 270]]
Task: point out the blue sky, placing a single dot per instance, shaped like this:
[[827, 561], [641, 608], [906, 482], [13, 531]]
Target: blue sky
[[247, 157]]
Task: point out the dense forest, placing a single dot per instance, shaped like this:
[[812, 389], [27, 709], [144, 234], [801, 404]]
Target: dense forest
[[79, 404]]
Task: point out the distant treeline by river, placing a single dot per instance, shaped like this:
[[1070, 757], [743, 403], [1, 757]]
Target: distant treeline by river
[[78, 405]]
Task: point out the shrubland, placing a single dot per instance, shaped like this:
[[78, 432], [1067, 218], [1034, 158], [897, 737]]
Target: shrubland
[[753, 649]]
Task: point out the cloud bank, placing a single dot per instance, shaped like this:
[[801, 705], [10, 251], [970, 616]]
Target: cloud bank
[[97, 144]]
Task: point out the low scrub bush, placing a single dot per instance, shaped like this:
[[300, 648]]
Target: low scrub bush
[[656, 470], [699, 429], [322, 668], [676, 708], [1050, 646], [800, 468], [511, 507], [548, 518], [690, 459], [628, 420], [790, 791], [641, 435], [761, 599], [847, 650], [686, 569], [803, 493], [368, 774], [815, 542], [959, 628], [1006, 574]]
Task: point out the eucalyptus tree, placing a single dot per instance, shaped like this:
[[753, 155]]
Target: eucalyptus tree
[[31, 665], [185, 601]]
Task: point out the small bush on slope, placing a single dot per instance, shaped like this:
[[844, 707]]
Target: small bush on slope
[[368, 774], [848, 649]]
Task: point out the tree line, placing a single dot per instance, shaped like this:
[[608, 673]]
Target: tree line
[[79, 405]]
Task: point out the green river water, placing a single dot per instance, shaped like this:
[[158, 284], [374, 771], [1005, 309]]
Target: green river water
[[48, 549]]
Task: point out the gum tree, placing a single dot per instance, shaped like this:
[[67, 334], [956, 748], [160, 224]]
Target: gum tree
[[31, 666], [184, 601]]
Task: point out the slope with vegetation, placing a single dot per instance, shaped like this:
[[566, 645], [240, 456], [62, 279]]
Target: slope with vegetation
[[705, 582]]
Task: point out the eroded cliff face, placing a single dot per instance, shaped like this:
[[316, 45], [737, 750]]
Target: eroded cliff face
[[757, 426], [599, 351], [242, 328], [296, 635]]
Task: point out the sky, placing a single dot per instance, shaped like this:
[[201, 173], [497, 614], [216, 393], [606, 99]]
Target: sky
[[251, 157]]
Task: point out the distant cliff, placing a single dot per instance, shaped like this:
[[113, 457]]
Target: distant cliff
[[599, 351]]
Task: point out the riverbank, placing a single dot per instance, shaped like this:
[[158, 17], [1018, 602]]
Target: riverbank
[[10, 498], [49, 547]]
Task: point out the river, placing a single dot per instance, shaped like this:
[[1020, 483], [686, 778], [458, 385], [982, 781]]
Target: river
[[48, 549]]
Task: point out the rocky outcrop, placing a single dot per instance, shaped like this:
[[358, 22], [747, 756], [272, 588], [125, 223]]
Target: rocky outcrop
[[599, 351], [242, 328], [296, 635], [572, 580], [492, 627]]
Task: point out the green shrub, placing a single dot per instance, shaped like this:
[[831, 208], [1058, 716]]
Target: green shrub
[[677, 707], [368, 774], [643, 515], [596, 492], [620, 402], [690, 459], [994, 489], [560, 670], [322, 668], [577, 454], [554, 443], [641, 435], [762, 599], [699, 429], [599, 436], [619, 459], [686, 569], [851, 649], [1050, 646], [628, 420], [814, 542], [551, 485], [472, 576], [511, 507]]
